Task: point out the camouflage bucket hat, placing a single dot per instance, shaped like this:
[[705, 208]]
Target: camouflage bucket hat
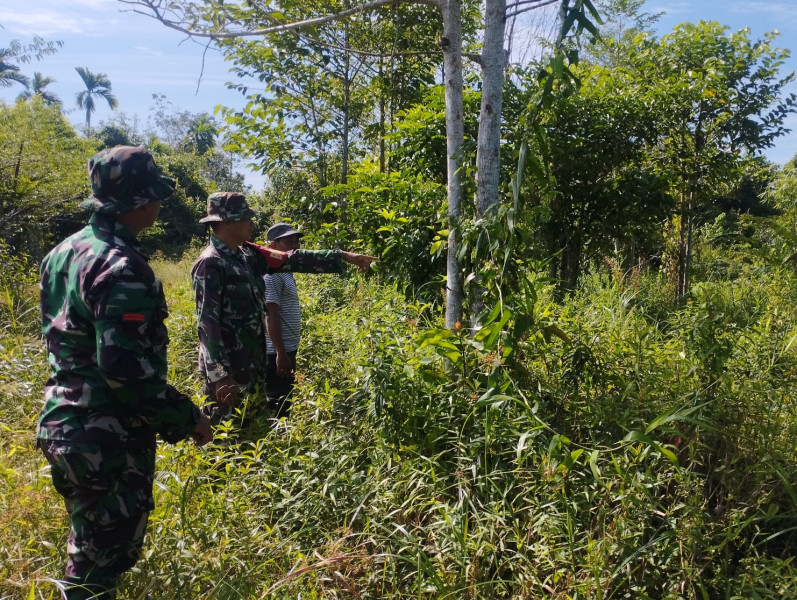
[[227, 206], [124, 178]]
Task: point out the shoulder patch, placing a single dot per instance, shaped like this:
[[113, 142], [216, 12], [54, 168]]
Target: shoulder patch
[[134, 317], [275, 258]]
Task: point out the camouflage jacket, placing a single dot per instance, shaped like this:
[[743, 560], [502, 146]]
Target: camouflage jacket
[[231, 305], [103, 315]]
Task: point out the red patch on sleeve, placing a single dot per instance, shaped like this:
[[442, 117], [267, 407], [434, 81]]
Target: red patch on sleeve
[[275, 258], [134, 317]]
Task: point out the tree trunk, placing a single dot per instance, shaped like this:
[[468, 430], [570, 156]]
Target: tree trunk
[[455, 135], [690, 223], [381, 121], [488, 153], [344, 169], [488, 150], [681, 258], [344, 159], [322, 163], [571, 262]]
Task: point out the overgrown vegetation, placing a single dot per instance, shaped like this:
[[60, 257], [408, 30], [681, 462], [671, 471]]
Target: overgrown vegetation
[[614, 445]]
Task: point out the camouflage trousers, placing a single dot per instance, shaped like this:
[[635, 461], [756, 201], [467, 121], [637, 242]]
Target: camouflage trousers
[[108, 495]]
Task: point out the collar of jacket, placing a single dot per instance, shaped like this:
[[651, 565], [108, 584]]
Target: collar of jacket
[[110, 229], [225, 249]]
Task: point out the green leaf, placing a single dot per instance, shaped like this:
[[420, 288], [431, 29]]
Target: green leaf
[[593, 466], [638, 436]]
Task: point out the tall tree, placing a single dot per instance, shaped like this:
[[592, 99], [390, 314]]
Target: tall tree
[[38, 87], [317, 107], [720, 101], [226, 21], [601, 197], [97, 86], [201, 134]]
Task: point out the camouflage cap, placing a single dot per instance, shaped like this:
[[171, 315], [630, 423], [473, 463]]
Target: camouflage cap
[[227, 206], [124, 178]]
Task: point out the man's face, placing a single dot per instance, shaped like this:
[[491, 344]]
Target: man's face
[[151, 210], [242, 229], [287, 243], [235, 233]]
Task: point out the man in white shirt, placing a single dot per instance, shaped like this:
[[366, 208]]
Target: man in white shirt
[[284, 321]]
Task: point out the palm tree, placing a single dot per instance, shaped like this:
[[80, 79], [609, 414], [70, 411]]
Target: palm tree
[[201, 135], [97, 86], [37, 89], [10, 73]]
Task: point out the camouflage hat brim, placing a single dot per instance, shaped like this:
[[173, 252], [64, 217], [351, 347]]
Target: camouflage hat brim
[[114, 206], [247, 214], [227, 206]]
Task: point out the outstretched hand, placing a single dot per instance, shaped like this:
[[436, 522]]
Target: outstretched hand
[[361, 261]]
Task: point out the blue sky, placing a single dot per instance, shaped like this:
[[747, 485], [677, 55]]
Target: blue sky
[[142, 57]]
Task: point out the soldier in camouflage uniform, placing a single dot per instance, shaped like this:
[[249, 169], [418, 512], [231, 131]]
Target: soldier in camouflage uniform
[[103, 315], [230, 298]]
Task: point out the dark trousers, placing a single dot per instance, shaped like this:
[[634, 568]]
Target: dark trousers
[[278, 389], [108, 495]]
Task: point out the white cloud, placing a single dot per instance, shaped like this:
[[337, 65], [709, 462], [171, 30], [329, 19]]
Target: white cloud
[[54, 17], [784, 13], [671, 9], [147, 51], [44, 23]]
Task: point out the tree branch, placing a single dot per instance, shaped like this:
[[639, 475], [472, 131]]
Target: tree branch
[[473, 57], [529, 8], [523, 2], [157, 12]]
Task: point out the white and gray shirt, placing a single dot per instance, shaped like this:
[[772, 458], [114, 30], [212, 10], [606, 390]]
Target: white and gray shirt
[[281, 290]]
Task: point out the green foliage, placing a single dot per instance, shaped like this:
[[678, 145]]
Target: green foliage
[[589, 192], [398, 214], [725, 101], [18, 282], [42, 176], [782, 193], [670, 129], [399, 217]]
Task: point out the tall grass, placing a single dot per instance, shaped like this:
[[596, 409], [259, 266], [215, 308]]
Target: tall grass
[[611, 446]]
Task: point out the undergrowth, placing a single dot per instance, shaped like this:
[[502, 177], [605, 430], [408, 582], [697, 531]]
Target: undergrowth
[[613, 445]]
